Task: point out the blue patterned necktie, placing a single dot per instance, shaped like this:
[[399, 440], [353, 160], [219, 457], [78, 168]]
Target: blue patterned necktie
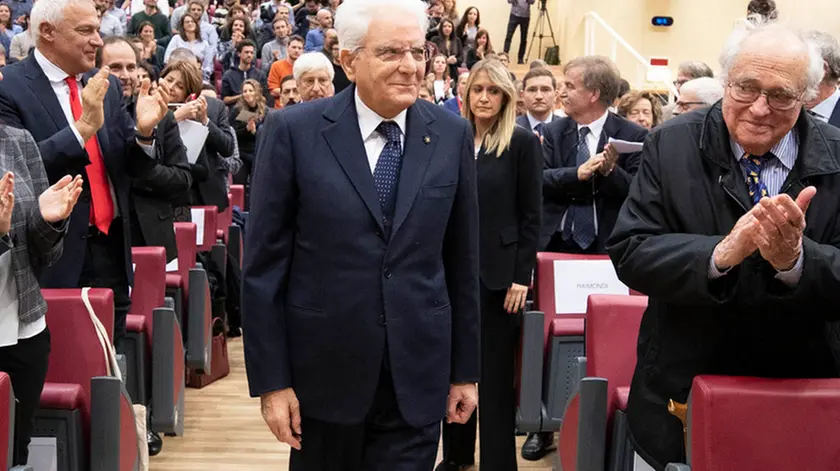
[[539, 129], [581, 215], [752, 164], [386, 174]]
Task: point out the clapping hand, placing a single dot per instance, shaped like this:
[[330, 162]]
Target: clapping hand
[[7, 202], [57, 202], [151, 107], [779, 228], [610, 158], [252, 126], [93, 104], [588, 168]]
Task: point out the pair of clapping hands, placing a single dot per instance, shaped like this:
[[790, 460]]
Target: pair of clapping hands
[[775, 227], [56, 202]]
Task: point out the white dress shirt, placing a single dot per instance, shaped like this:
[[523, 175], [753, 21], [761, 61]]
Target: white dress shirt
[[825, 109], [11, 330], [368, 122]]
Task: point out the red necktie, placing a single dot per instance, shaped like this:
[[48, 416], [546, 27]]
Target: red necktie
[[102, 206]]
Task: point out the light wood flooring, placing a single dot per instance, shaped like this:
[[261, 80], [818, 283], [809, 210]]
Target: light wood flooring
[[223, 430]]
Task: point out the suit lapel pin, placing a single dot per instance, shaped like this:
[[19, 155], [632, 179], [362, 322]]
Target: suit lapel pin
[[427, 139]]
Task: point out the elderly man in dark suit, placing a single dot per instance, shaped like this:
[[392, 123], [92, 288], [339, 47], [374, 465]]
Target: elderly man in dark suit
[[714, 232], [826, 105], [360, 281], [81, 126]]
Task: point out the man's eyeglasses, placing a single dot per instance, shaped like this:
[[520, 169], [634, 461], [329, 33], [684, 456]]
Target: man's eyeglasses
[[684, 105], [779, 100], [396, 54], [679, 83]]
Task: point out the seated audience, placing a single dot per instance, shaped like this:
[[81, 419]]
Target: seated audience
[[737, 282], [289, 94], [698, 93], [109, 25], [441, 83], [315, 37], [825, 105], [314, 76], [284, 68], [333, 53], [21, 44], [642, 108], [482, 48], [467, 29], [152, 14], [456, 103], [275, 49], [238, 29], [9, 29], [189, 37], [448, 45], [150, 50], [233, 79], [245, 118]]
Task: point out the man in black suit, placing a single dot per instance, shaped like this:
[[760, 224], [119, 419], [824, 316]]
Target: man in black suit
[[82, 128], [826, 105], [168, 182], [585, 180], [360, 283], [538, 94]]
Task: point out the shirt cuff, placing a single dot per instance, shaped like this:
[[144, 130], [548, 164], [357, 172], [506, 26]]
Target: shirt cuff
[[714, 273], [791, 277], [77, 134], [149, 149]]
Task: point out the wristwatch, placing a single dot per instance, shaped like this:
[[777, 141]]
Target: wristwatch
[[143, 138]]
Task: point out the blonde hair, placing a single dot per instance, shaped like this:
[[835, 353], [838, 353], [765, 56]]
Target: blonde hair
[[259, 95], [499, 135]]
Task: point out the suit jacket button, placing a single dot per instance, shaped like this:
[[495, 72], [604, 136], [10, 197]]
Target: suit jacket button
[[387, 274]]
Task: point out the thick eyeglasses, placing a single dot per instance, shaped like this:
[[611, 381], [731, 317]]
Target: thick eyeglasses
[[395, 54], [778, 100]]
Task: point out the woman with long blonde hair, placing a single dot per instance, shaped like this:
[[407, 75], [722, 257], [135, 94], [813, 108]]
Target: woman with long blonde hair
[[509, 174], [246, 117]]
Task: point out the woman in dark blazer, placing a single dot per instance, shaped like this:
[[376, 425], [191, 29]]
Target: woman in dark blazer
[[509, 169], [33, 222]]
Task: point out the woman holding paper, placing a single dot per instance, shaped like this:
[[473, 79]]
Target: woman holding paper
[[246, 118], [33, 222], [509, 171]]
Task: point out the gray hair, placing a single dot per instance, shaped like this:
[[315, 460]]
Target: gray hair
[[599, 73], [48, 11], [708, 90], [696, 69], [749, 29], [353, 18], [183, 54], [311, 62], [829, 50]]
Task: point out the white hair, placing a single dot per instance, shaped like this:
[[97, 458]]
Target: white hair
[[794, 42], [830, 51], [353, 17], [48, 11], [312, 62], [707, 89]]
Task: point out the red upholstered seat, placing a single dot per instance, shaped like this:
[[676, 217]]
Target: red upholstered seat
[[62, 396], [622, 393], [135, 323], [185, 241], [7, 402], [174, 280], [752, 423], [210, 224], [148, 291], [571, 326], [224, 220], [237, 196]]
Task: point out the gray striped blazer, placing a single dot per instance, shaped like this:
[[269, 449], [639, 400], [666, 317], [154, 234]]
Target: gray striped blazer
[[35, 243]]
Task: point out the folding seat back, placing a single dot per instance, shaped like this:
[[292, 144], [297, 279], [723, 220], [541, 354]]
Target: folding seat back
[[7, 421], [87, 410], [237, 196], [737, 423], [149, 279], [223, 221], [205, 220]]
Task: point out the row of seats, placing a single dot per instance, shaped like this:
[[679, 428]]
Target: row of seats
[[84, 406], [732, 422]]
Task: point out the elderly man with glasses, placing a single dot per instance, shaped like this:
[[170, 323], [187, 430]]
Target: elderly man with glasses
[[714, 232], [697, 94]]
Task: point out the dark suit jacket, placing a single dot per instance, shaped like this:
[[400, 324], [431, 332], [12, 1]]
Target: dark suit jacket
[[323, 287], [154, 194], [834, 120], [562, 187], [27, 101], [209, 188], [452, 105], [523, 121], [510, 206]]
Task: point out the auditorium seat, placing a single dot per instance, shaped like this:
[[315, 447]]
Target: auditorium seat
[[223, 222], [563, 330], [85, 409], [235, 239], [7, 425], [205, 219], [189, 287], [154, 347], [612, 330], [740, 423]]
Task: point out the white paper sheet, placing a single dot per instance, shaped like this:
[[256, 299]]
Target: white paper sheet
[[172, 266], [198, 219], [575, 280], [193, 135], [626, 147]]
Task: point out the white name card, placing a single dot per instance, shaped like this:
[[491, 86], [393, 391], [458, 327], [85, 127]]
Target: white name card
[[172, 266], [197, 216], [575, 280]]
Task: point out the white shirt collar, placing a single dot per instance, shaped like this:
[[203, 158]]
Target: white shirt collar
[[369, 119], [53, 72], [826, 107], [534, 121], [595, 127]]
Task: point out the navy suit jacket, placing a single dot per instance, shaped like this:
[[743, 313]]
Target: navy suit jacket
[[834, 119], [560, 181], [452, 105], [27, 101], [323, 287]]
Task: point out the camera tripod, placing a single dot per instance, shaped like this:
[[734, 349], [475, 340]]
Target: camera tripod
[[539, 30]]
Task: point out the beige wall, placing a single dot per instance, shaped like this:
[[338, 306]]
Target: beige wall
[[700, 26]]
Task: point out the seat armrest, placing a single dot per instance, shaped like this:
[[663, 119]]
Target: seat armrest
[[529, 410], [677, 467], [105, 392], [167, 373], [592, 427], [199, 322], [21, 468]]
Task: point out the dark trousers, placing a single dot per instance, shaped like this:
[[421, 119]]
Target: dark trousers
[[496, 394], [104, 267], [383, 442], [522, 23], [26, 364], [243, 177]]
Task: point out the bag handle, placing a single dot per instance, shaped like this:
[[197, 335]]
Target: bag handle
[[111, 366]]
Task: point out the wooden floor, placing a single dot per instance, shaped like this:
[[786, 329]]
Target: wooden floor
[[223, 430]]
